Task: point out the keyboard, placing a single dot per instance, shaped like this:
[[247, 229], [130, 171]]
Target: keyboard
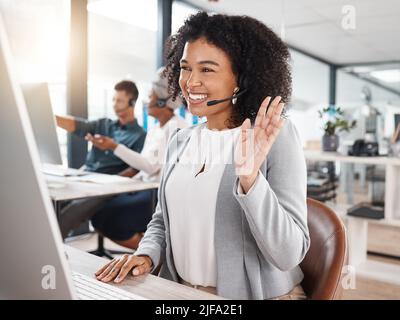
[[88, 288]]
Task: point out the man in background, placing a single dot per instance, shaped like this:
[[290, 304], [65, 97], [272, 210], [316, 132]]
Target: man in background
[[125, 130]]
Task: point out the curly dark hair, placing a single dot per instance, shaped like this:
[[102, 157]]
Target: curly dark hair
[[259, 58]]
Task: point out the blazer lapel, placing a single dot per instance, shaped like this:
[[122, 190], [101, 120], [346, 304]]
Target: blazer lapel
[[173, 158]]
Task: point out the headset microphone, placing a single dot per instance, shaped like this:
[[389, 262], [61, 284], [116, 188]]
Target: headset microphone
[[214, 102]]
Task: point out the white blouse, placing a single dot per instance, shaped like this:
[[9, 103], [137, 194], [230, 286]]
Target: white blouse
[[191, 195]]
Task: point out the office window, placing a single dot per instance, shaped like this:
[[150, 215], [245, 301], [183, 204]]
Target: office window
[[180, 12], [122, 37], [351, 95], [38, 33], [310, 93]]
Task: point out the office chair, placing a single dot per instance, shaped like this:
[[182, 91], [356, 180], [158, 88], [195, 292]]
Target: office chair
[[101, 251], [323, 263]]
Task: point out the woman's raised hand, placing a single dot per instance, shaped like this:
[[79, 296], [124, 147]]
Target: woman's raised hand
[[255, 143]]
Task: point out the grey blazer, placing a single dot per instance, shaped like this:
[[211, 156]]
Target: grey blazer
[[260, 237]]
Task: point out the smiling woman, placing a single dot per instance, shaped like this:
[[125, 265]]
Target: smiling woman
[[237, 52], [238, 229]]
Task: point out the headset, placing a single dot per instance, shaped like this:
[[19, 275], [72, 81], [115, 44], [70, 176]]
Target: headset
[[162, 102], [243, 85]]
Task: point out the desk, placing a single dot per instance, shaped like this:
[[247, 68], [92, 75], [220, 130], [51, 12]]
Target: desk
[[148, 286], [357, 228], [336, 156], [69, 189], [392, 176], [73, 190]]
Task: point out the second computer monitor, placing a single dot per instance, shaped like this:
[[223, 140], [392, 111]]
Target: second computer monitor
[[37, 99]]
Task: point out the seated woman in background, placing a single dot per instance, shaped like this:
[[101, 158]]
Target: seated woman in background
[[232, 216]]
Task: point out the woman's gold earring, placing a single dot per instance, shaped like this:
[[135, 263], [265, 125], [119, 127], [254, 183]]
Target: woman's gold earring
[[234, 100]]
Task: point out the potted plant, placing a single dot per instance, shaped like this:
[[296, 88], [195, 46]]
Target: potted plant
[[334, 122]]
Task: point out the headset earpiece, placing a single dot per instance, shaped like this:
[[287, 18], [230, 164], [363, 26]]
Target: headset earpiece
[[242, 84], [162, 102]]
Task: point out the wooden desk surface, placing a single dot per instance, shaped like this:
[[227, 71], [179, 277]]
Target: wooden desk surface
[[64, 188], [147, 286]]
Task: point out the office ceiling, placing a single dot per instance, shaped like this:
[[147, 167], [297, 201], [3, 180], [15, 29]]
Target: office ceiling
[[324, 29], [315, 26]]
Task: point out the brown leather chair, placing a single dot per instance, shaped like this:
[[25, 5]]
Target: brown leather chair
[[323, 263]]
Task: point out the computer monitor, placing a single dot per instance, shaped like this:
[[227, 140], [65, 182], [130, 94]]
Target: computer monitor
[[33, 262], [37, 99], [31, 248]]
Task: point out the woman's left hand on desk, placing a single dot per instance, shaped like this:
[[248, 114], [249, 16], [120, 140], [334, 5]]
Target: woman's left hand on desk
[[118, 268]]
